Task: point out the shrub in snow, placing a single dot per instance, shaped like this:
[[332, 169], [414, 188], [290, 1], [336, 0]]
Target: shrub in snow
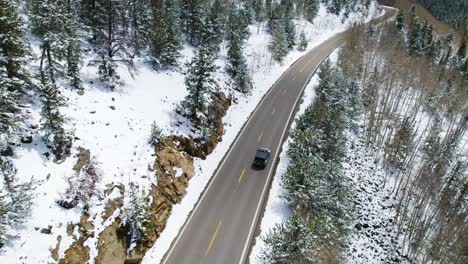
[[15, 200], [82, 186]]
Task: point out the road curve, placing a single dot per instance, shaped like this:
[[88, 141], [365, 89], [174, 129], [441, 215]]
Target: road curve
[[221, 227]]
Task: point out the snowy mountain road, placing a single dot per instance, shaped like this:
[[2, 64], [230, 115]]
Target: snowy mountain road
[[221, 227]]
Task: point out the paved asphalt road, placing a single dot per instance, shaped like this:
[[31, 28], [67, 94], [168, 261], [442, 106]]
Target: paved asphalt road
[[221, 227]]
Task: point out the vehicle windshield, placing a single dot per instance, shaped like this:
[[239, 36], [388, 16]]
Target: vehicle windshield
[[261, 154]]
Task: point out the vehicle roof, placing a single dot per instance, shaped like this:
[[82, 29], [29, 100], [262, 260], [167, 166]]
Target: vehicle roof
[[262, 153]]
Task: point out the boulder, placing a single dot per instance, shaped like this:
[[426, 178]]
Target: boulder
[[27, 139], [7, 152]]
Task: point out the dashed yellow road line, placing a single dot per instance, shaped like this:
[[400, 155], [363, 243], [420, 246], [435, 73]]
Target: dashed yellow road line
[[241, 176], [213, 238], [260, 137], [274, 110], [294, 78], [301, 70]]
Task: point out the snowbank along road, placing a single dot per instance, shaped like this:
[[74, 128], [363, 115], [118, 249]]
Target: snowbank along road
[[221, 227]]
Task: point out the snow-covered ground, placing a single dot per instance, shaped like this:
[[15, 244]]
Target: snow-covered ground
[[115, 125]]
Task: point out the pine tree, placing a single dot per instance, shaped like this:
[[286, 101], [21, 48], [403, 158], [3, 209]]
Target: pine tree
[[111, 40], [278, 45], [14, 55], [258, 9], [237, 66], [52, 121], [156, 137], [135, 214], [435, 50], [432, 145], [462, 51], [400, 21], [213, 26], [427, 37], [165, 38], [311, 8], [15, 200], [401, 144], [302, 42], [289, 242], [415, 38], [192, 21], [200, 85], [54, 23], [140, 23], [290, 30], [73, 64]]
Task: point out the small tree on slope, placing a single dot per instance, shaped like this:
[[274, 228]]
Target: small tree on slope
[[14, 55], [15, 200], [289, 242], [279, 44], [52, 121], [200, 85], [135, 215], [237, 66]]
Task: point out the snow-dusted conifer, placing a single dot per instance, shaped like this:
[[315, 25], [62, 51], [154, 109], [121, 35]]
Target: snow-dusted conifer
[[400, 21], [14, 55], [52, 121], [214, 26], [303, 42], [401, 144], [237, 66], [416, 40], [200, 84], [192, 20], [432, 145], [111, 39], [139, 13], [53, 22], [289, 242], [165, 35], [311, 8], [135, 214], [155, 137], [15, 200], [279, 43]]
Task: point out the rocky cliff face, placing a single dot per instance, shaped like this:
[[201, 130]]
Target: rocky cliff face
[[173, 169]]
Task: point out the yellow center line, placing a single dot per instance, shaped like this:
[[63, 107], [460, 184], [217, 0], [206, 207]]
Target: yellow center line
[[213, 238], [283, 92], [301, 70], [260, 137], [241, 176], [274, 110]]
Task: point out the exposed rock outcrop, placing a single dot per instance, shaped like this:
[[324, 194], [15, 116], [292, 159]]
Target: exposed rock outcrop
[[173, 168]]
